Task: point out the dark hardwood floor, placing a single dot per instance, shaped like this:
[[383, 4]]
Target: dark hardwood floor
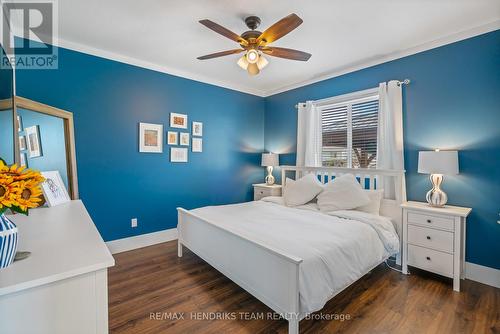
[[151, 290]]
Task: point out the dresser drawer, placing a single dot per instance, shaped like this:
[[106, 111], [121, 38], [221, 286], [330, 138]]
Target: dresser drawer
[[430, 238], [431, 260], [431, 221]]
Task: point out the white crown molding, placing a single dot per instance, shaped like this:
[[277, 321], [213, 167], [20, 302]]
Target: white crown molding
[[142, 240], [482, 274], [492, 26]]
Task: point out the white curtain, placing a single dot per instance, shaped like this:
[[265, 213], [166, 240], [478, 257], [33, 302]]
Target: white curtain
[[390, 136], [308, 135]]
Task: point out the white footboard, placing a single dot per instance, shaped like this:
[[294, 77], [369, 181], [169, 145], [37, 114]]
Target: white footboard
[[268, 274]]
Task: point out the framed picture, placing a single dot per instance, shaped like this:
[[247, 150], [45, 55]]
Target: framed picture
[[178, 121], [53, 188], [33, 141], [197, 145], [197, 129], [172, 138], [23, 160], [184, 139], [178, 154], [150, 138], [22, 143], [19, 124]]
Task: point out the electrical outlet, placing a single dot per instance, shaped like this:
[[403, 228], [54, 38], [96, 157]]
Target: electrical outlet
[[133, 222]]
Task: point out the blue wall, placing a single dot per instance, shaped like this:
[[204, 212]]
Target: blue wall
[[6, 116], [51, 130], [116, 182], [453, 102]]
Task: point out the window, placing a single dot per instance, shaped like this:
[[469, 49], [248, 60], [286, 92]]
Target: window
[[349, 132]]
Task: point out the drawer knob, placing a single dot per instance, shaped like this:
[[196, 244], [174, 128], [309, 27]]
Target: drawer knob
[[428, 220], [428, 258], [428, 238]]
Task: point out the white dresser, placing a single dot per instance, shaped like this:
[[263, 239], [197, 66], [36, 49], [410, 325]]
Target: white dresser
[[434, 239], [261, 190], [62, 287]]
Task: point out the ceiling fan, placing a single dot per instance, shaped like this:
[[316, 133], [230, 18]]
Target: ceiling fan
[[255, 43]]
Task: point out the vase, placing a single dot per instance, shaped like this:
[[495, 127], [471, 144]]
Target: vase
[[8, 241]]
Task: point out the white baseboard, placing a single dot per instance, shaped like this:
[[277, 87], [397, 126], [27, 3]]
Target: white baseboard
[[482, 274], [143, 240]]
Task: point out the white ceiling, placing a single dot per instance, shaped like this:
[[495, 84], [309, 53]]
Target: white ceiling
[[341, 35]]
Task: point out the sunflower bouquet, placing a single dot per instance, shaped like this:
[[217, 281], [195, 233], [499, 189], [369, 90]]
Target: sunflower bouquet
[[19, 188]]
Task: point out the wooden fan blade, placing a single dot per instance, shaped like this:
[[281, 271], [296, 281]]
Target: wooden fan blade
[[220, 54], [280, 29], [223, 31], [286, 53]]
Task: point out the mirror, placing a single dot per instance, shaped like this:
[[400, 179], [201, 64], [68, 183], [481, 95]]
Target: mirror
[[7, 144], [46, 140], [36, 135]]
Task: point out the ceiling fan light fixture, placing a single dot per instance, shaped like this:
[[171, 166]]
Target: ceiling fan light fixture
[[253, 69], [252, 56], [262, 62], [243, 62]]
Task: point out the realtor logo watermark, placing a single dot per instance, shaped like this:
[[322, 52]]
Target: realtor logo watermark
[[29, 31]]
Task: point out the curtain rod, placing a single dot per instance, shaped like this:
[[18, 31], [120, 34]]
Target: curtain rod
[[405, 82]]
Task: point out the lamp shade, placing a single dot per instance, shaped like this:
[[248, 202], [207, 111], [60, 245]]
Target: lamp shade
[[270, 159], [438, 162]]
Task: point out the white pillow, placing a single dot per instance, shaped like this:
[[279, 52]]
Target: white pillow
[[375, 198], [343, 193], [301, 191]]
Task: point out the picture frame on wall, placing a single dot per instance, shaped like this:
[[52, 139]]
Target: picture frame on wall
[[178, 154], [197, 145], [23, 160], [184, 140], [197, 128], [19, 124], [22, 143], [179, 121], [33, 141], [53, 189], [172, 138], [150, 138]]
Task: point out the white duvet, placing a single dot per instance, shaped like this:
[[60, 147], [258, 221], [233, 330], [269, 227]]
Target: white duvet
[[336, 249]]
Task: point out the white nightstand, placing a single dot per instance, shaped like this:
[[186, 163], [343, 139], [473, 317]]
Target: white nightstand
[[434, 239], [263, 190]]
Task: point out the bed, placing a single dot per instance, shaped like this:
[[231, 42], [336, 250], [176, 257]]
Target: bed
[[295, 259]]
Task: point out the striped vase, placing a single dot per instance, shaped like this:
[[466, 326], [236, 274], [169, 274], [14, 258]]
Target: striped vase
[[8, 241]]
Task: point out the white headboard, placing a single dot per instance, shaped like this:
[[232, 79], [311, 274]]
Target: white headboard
[[369, 178]]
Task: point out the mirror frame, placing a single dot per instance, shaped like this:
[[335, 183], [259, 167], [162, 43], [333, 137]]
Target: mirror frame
[[69, 137]]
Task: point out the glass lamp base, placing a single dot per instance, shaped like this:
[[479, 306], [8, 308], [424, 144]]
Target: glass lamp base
[[269, 178], [436, 197]]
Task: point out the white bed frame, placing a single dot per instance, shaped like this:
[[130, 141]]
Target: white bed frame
[[269, 274]]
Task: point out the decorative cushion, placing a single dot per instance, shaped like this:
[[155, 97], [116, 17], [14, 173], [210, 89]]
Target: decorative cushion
[[375, 199], [301, 191], [343, 193]]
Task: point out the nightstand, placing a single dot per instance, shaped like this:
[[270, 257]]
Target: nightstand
[[434, 239], [261, 190]]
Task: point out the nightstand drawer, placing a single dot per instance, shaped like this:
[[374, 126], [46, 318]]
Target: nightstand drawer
[[260, 192], [431, 260], [430, 238], [431, 221]]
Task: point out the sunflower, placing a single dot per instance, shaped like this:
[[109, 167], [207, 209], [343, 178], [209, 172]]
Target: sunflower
[[27, 194], [5, 195], [19, 188]]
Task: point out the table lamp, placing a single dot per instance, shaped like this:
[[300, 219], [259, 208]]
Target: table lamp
[[270, 160], [437, 163]]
